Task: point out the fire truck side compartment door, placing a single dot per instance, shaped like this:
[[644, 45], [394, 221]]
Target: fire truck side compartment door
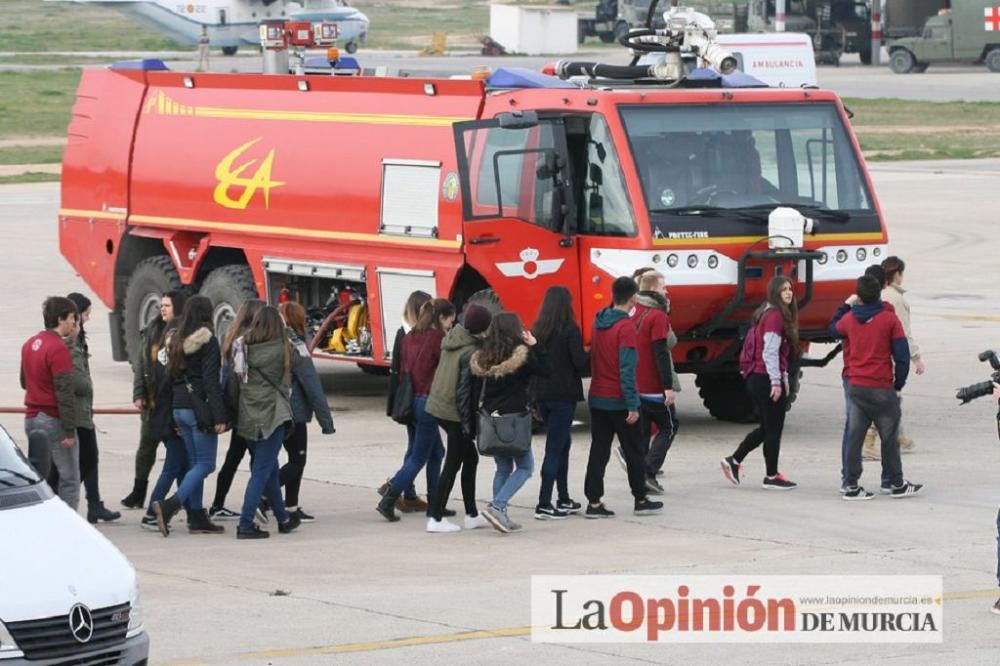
[[518, 211], [395, 286]]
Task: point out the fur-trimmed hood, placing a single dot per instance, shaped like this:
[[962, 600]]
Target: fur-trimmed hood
[[197, 340], [654, 300], [517, 360]]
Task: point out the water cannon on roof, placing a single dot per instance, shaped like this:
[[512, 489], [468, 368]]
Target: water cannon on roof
[[665, 55]]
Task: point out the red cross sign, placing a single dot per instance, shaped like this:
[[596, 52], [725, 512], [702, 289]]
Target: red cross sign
[[992, 19]]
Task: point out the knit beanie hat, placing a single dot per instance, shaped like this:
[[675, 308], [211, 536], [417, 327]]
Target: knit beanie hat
[[476, 318]]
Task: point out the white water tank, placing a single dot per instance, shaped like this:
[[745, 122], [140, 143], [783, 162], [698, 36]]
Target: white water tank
[[533, 30]]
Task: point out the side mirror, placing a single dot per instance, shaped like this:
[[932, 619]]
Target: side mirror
[[596, 175], [517, 119]]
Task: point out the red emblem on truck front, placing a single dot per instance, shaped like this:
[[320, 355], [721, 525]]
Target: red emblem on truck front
[[530, 265]]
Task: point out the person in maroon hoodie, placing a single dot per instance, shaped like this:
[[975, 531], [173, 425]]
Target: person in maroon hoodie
[[49, 399], [769, 345], [614, 403], [877, 363], [421, 351]]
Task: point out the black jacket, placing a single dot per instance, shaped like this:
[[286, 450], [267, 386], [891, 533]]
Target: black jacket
[[394, 369], [570, 364], [202, 363], [507, 384]]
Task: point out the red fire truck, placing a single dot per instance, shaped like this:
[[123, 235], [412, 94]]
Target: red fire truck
[[347, 194]]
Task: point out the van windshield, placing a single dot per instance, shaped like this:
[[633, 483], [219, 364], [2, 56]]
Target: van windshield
[[15, 470], [745, 158]]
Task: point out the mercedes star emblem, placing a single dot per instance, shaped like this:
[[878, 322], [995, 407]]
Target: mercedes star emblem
[[81, 623]]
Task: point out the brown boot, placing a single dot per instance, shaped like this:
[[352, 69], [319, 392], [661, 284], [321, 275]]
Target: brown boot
[[414, 505], [871, 450]]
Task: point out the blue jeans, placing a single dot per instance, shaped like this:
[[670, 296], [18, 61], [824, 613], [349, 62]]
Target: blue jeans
[[175, 466], [427, 450], [264, 479], [202, 448], [410, 492], [558, 417], [998, 547], [508, 480]]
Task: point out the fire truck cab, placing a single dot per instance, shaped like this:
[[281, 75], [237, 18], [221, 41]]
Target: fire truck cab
[[347, 194]]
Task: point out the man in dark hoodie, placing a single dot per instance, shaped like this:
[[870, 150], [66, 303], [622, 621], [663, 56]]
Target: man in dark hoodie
[[614, 402], [49, 399], [654, 373], [877, 362]]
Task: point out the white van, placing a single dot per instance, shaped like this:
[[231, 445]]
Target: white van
[[67, 595], [779, 59]]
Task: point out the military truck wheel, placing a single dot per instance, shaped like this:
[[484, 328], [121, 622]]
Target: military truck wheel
[[725, 396], [606, 37], [227, 287], [992, 60], [902, 61], [230, 50], [621, 31], [866, 56], [920, 67], [150, 279], [351, 47]]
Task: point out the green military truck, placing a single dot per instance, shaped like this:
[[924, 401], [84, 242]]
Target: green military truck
[[968, 32]]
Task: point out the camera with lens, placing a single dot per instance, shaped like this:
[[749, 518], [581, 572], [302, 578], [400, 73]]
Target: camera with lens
[[973, 391]]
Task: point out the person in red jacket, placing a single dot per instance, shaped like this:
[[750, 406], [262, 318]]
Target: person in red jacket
[[773, 339], [614, 403], [654, 373], [877, 363], [49, 399]]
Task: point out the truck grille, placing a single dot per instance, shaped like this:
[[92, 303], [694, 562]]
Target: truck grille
[[51, 638]]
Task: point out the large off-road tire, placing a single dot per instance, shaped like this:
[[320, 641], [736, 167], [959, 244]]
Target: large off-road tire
[[902, 61], [351, 47], [726, 398], [230, 50], [992, 60], [606, 37], [372, 369], [866, 55], [148, 282], [487, 298], [228, 287]]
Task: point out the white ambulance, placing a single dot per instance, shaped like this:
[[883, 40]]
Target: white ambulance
[[779, 59]]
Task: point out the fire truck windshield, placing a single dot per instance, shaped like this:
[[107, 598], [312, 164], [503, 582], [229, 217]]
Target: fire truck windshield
[[703, 161]]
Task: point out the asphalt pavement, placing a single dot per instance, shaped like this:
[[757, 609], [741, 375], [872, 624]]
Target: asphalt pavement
[[354, 588]]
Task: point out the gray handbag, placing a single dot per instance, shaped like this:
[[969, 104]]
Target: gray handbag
[[504, 435]]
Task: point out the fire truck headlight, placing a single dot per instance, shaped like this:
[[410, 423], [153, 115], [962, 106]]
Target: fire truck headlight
[[822, 259], [672, 260], [713, 262], [692, 260], [862, 254], [841, 256]]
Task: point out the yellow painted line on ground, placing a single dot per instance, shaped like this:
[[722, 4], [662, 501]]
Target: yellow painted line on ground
[[438, 639], [513, 632]]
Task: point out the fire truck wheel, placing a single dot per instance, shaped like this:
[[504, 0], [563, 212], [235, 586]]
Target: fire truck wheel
[[227, 287], [150, 279], [378, 370], [487, 298], [725, 397]]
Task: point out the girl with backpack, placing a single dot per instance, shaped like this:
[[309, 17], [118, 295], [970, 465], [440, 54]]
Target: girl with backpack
[[260, 387], [556, 397], [307, 398], [771, 343], [421, 351], [502, 374]]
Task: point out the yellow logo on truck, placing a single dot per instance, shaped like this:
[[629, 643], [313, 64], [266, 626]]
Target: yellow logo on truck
[[232, 177]]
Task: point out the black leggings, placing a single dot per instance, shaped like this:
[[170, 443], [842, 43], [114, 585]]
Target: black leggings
[[224, 479], [86, 439], [291, 473], [462, 454], [772, 422]]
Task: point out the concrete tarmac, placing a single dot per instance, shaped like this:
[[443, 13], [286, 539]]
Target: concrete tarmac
[[352, 588]]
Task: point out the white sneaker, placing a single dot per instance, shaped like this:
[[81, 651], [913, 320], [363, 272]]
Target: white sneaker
[[475, 522], [443, 525]]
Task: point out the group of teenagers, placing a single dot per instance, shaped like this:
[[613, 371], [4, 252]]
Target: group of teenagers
[[260, 384]]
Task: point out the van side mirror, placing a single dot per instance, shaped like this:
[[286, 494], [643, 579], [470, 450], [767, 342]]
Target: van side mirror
[[596, 175]]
